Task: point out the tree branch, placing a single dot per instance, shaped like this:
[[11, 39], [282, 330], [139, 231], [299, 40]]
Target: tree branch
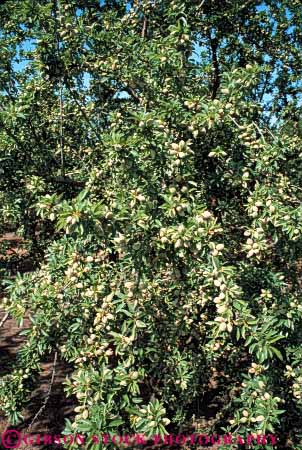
[[4, 319], [144, 29], [66, 180], [132, 93], [48, 392], [216, 77]]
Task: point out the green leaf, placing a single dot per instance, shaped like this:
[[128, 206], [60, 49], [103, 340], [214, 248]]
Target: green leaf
[[277, 353], [115, 423]]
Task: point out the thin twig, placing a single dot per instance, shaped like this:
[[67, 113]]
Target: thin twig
[[61, 101], [66, 180], [270, 132], [260, 132], [237, 124], [82, 109], [48, 392], [144, 27], [201, 4], [131, 92], [61, 131], [4, 319], [215, 62]]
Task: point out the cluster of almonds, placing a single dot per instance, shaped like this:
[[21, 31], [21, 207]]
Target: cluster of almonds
[[217, 152], [255, 241], [133, 375], [78, 266], [222, 306], [120, 243], [103, 314], [248, 138], [262, 395], [150, 415], [217, 109], [194, 130], [296, 375], [98, 350], [160, 124], [245, 418], [224, 324], [180, 206], [177, 235], [256, 369], [266, 294], [85, 396], [295, 303], [217, 249], [179, 151], [285, 187], [193, 104], [137, 197], [254, 207]]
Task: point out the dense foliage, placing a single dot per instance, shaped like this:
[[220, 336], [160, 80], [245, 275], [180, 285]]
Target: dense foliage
[[151, 159]]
